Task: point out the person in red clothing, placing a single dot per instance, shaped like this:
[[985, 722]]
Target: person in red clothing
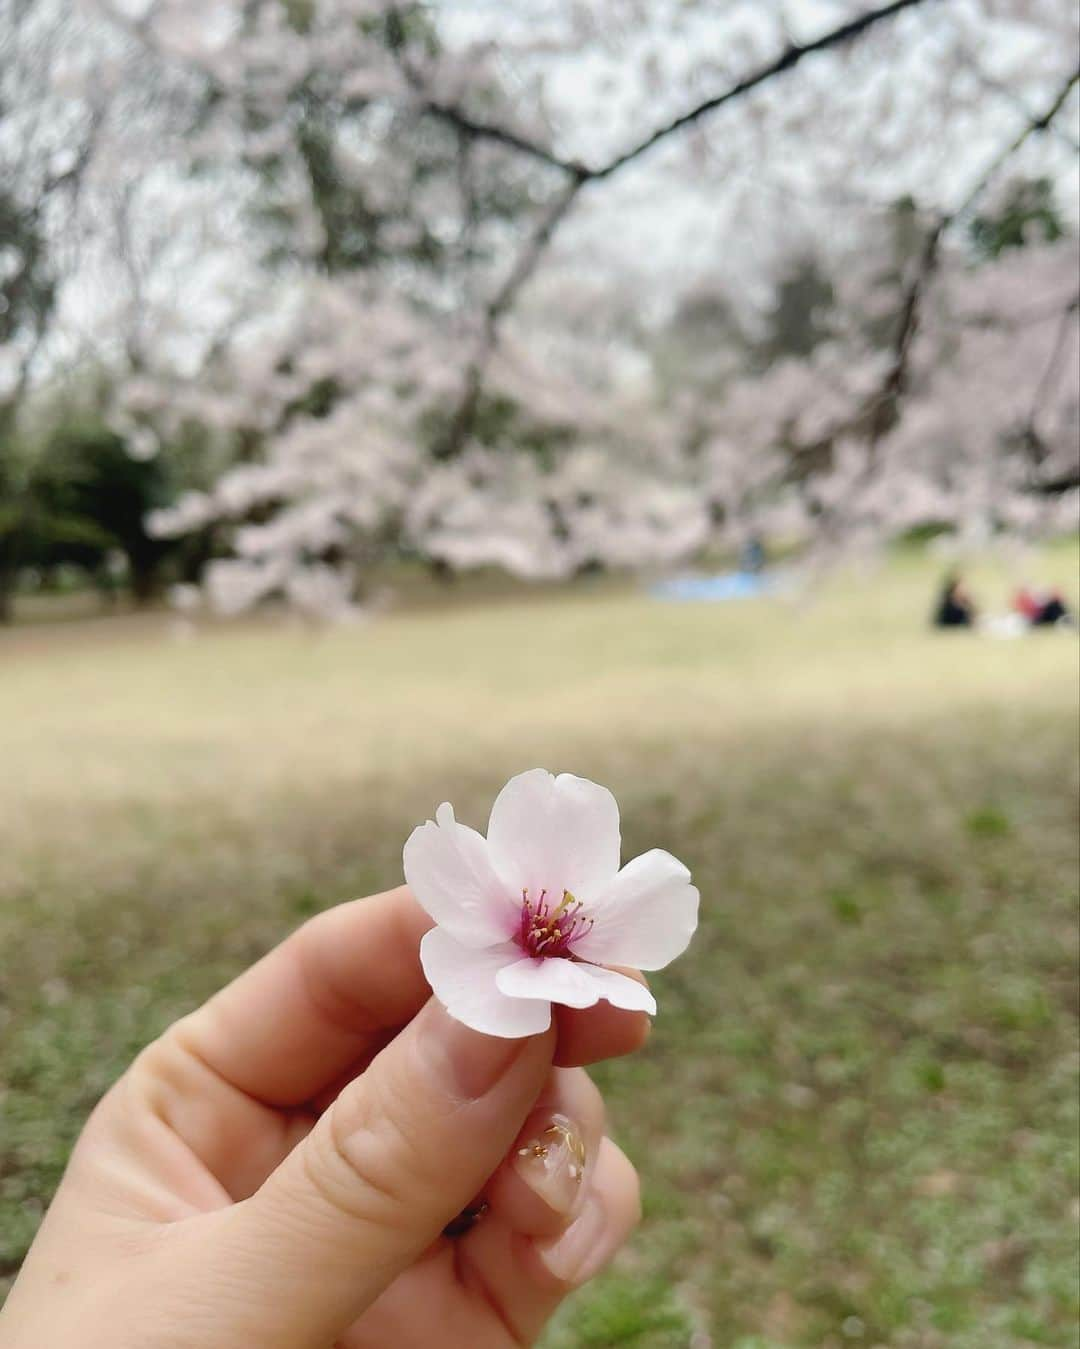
[[1041, 607]]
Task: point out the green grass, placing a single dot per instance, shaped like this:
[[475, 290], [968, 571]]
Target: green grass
[[856, 1120]]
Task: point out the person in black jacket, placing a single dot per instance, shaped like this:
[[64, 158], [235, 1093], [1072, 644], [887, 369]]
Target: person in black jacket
[[955, 608]]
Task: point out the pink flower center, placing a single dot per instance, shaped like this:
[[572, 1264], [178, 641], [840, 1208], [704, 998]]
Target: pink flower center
[[547, 931]]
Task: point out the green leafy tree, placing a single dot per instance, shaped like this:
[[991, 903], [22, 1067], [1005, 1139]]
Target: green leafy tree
[[99, 482], [799, 318], [75, 494], [1029, 214], [39, 523]]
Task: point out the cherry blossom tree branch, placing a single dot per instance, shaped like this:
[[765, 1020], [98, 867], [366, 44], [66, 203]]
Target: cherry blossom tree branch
[[468, 127], [1046, 381], [580, 174], [790, 57], [883, 403], [880, 413], [525, 264], [576, 174], [475, 129], [1002, 91], [1032, 128]]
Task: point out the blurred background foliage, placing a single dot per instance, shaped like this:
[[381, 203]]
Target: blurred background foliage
[[541, 291], [76, 494]]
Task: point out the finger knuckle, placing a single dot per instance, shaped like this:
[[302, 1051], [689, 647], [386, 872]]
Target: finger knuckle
[[363, 1162], [168, 1066]]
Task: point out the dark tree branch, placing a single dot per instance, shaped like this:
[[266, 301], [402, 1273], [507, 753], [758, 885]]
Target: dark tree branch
[[478, 130], [464, 416], [529, 257], [881, 411], [1053, 365], [790, 57], [468, 127], [580, 174], [1020, 319], [73, 175], [1032, 128], [1003, 91], [787, 60]]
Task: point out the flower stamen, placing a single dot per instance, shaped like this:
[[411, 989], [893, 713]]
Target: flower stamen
[[547, 931]]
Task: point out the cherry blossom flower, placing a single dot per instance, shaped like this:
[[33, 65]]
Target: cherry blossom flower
[[536, 912]]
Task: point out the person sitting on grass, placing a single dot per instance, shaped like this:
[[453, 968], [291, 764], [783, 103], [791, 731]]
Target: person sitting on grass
[[1043, 608], [955, 607]]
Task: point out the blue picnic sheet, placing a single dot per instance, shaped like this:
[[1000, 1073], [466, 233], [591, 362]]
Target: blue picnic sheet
[[728, 585]]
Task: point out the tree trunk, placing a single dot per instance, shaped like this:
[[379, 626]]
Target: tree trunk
[[144, 581], [440, 570], [7, 591]]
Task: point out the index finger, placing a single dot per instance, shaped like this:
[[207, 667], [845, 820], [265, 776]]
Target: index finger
[[318, 1003], [317, 1007]]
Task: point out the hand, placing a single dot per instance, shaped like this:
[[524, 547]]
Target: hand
[[276, 1171]]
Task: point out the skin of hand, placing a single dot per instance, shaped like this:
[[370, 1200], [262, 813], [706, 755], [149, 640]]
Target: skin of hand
[[278, 1168]]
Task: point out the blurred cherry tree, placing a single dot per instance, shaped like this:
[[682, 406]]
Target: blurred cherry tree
[[555, 286]]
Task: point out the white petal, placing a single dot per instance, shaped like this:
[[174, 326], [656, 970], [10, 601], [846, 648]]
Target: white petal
[[555, 834], [463, 979], [555, 979], [619, 989], [449, 870], [573, 984], [645, 917]]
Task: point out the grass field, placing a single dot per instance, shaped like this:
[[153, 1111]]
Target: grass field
[[856, 1119]]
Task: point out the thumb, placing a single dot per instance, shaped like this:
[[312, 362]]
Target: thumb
[[399, 1154]]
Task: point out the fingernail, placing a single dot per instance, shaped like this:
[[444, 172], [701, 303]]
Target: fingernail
[[468, 1063], [550, 1158], [580, 1251]]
